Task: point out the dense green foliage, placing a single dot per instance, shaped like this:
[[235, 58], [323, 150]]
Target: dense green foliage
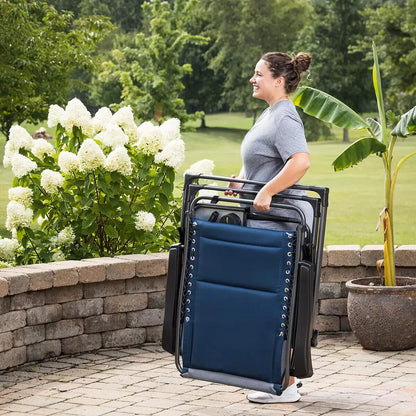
[[39, 50]]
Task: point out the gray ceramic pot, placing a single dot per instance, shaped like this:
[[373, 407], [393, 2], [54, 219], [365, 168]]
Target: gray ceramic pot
[[383, 318]]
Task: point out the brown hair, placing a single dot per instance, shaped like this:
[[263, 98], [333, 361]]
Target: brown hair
[[283, 65]]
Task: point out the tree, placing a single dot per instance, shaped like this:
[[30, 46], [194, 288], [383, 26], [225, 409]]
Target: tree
[[40, 49], [242, 31], [392, 26], [147, 65], [336, 25]]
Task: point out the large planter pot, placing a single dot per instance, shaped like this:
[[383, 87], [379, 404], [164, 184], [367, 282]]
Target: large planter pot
[[383, 318]]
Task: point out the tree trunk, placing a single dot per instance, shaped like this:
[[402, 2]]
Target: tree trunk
[[203, 125], [345, 136]]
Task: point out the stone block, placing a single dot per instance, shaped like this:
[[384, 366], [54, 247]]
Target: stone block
[[6, 341], [4, 287], [42, 350], [370, 254], [81, 343], [116, 268], [156, 300], [342, 274], [40, 276], [146, 284], [344, 255], [44, 314], [13, 357], [5, 305], [406, 271], [28, 335], [64, 329], [91, 272], [345, 324], [125, 303], [154, 333], [324, 258], [147, 317], [82, 308], [27, 300], [333, 307], [17, 280], [104, 289], [330, 290], [65, 273], [63, 294], [325, 323], [12, 320], [124, 337], [152, 265], [104, 323], [405, 256]]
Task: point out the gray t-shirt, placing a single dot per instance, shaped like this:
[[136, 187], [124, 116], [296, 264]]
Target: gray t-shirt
[[276, 136]]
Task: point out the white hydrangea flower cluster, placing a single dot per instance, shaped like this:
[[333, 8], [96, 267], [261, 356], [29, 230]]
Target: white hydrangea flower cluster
[[56, 115], [90, 156], [125, 119], [171, 130], [173, 154], [203, 167], [112, 136], [58, 255], [119, 161], [22, 165], [19, 138], [101, 118], [145, 221], [8, 246], [51, 181], [150, 138], [18, 215], [68, 162], [41, 148], [64, 238], [76, 114], [22, 195]]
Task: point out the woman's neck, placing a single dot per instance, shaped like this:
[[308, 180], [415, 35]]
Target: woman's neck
[[277, 99]]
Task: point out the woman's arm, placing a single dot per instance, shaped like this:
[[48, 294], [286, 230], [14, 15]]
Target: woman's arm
[[294, 169]]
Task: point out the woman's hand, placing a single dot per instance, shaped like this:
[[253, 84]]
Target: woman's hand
[[262, 200], [233, 185]]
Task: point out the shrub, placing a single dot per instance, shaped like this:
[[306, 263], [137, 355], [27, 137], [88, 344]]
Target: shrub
[[106, 187]]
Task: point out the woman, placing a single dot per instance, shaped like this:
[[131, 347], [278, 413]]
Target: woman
[[274, 151]]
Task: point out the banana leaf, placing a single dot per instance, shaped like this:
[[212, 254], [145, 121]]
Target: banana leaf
[[358, 151], [375, 128], [323, 106], [406, 125]]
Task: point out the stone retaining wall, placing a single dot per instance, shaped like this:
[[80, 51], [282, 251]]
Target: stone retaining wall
[[75, 306]]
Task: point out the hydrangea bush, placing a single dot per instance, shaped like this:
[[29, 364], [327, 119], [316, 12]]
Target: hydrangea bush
[[105, 188]]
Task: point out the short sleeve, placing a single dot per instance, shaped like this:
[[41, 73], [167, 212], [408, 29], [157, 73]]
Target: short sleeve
[[290, 137]]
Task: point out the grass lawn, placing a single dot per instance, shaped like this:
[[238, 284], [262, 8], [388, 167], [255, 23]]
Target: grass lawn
[[356, 195]]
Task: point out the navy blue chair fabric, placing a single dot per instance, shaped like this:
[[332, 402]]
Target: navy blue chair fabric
[[237, 301]]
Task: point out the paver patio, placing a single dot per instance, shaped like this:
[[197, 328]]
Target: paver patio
[[144, 381]]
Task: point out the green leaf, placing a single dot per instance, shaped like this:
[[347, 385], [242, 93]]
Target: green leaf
[[110, 231], [375, 128], [358, 151], [326, 108], [406, 125]]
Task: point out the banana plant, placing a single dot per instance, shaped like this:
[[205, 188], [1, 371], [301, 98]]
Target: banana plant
[[378, 140]]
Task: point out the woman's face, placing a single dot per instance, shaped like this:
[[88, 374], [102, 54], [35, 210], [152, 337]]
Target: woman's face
[[265, 87]]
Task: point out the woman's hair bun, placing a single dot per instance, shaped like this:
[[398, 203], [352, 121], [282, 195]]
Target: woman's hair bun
[[301, 62]]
